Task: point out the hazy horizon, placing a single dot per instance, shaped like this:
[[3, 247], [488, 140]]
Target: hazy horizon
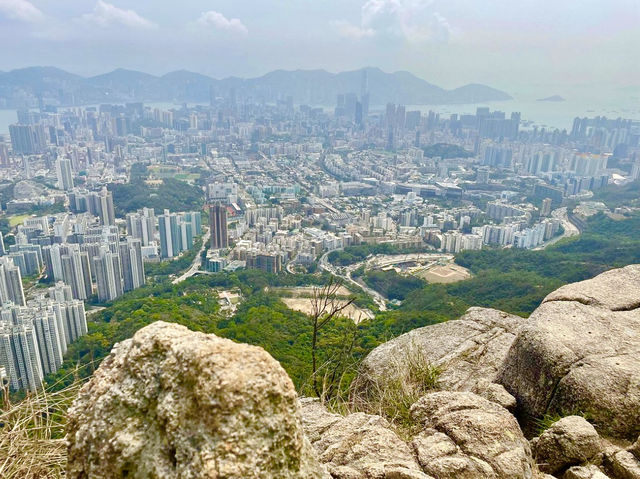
[[540, 46]]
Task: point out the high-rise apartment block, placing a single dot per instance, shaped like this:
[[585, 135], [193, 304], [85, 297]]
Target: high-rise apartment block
[[142, 225], [11, 290], [98, 203], [64, 173], [27, 139], [218, 225], [34, 338], [132, 264], [107, 268]]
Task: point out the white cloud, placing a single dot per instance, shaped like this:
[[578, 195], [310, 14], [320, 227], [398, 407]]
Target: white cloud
[[105, 14], [350, 30], [22, 10], [217, 20], [410, 20]]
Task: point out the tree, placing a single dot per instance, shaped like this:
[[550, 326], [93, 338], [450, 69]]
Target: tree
[[325, 307]]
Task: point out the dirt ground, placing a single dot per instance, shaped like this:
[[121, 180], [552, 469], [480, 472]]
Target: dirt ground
[[304, 305], [450, 273]]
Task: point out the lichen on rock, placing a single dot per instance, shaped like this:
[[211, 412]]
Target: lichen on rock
[[171, 403]]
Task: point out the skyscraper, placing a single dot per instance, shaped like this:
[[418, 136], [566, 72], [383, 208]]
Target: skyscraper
[[169, 235], [10, 282], [132, 264], [27, 139], [142, 225], [108, 275], [19, 355], [218, 225], [65, 175], [76, 271], [98, 203], [34, 338]]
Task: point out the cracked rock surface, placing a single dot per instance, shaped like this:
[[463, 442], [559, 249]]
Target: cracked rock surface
[[358, 446], [580, 353], [469, 351], [467, 436]]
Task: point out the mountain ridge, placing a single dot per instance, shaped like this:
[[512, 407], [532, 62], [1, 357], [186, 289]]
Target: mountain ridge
[[22, 87]]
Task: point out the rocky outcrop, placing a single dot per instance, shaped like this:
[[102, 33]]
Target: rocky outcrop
[[468, 351], [467, 436], [568, 442], [358, 446], [581, 353], [173, 403], [176, 404]]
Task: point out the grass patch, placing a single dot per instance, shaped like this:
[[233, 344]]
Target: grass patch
[[32, 442], [392, 395]]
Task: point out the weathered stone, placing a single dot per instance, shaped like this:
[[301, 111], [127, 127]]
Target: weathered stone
[[625, 465], [581, 352], [584, 472], [568, 442], [172, 403], [635, 448], [358, 446], [469, 352], [488, 439], [442, 458], [615, 290], [316, 419], [497, 394]]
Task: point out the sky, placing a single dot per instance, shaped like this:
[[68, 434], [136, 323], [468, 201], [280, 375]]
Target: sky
[[520, 45]]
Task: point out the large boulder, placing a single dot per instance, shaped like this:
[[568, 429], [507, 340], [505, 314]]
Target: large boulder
[[581, 353], [468, 353], [467, 436], [172, 403], [358, 446], [568, 442]]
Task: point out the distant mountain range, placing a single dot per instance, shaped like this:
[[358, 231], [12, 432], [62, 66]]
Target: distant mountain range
[[25, 87]]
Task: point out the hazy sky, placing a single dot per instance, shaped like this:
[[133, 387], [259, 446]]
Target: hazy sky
[[510, 44]]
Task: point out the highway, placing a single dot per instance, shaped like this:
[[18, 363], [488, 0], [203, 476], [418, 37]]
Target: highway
[[569, 228], [197, 261], [380, 300]]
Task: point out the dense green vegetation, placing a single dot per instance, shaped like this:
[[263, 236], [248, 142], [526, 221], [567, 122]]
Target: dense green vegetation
[[516, 280], [262, 319], [391, 284], [355, 254], [446, 151], [614, 196], [172, 194]]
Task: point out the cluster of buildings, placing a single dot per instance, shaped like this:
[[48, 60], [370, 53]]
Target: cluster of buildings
[[34, 336], [286, 183]]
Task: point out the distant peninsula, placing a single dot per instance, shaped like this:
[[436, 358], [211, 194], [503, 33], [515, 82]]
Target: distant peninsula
[[552, 98]]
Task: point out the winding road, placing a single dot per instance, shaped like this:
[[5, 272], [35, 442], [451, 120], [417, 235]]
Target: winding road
[[197, 261], [380, 300]]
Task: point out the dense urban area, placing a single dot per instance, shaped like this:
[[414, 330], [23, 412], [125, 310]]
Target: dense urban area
[[225, 216]]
